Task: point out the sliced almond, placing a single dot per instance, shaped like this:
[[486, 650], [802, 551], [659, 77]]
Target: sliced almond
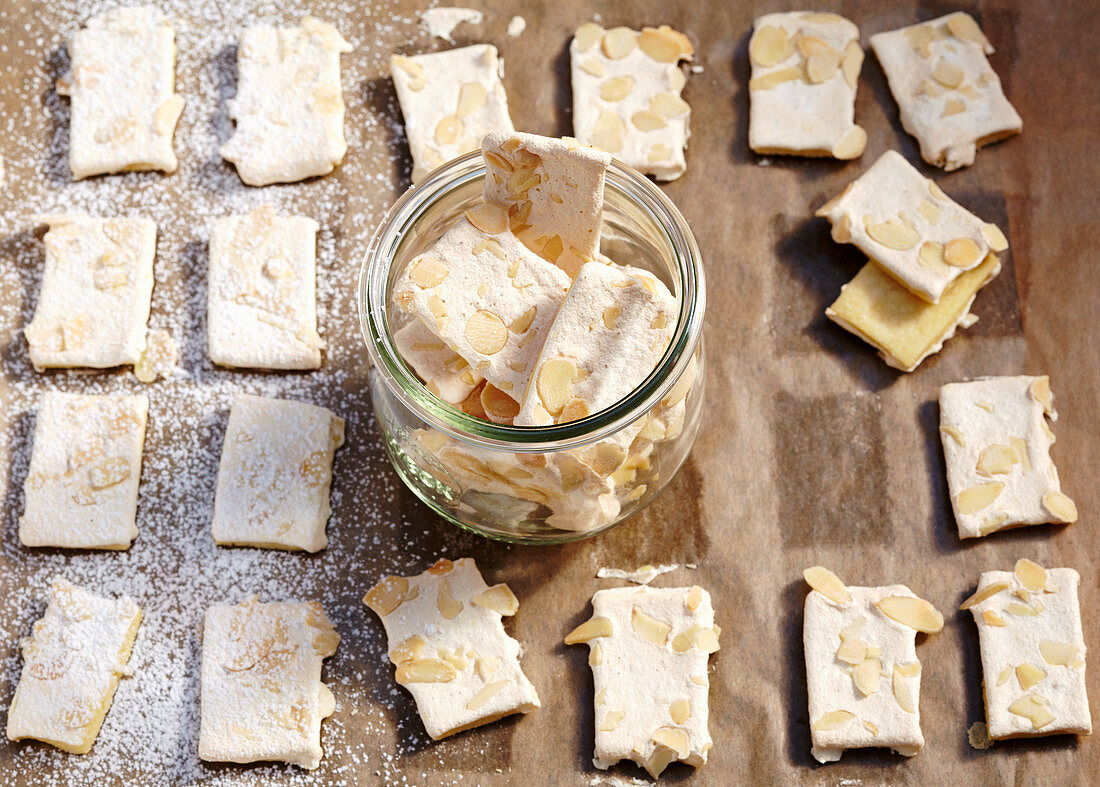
[[649, 627], [1006, 673], [673, 738], [962, 253], [852, 650], [471, 98], [485, 693], [990, 590], [1033, 708], [996, 460], [947, 73], [963, 27], [994, 237], [769, 45], [827, 584], [668, 105], [408, 650], [618, 42], [427, 271], [694, 598], [991, 618], [616, 88], [499, 598], [852, 63], [921, 38], [498, 406], [609, 133], [974, 499], [1030, 574], [1022, 610], [954, 434], [1059, 654], [594, 67], [611, 720], [490, 219], [448, 605], [448, 130], [953, 106], [425, 671], [1028, 675], [595, 655], [590, 629], [1060, 506], [832, 720], [913, 612], [1019, 444], [902, 694], [647, 120], [486, 332], [865, 676], [680, 711], [851, 145], [388, 595], [554, 384], [773, 79], [657, 153], [821, 66], [893, 234], [930, 211], [871, 727], [587, 35], [664, 44], [486, 666]]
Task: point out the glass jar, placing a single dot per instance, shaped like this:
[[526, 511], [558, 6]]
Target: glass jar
[[542, 484]]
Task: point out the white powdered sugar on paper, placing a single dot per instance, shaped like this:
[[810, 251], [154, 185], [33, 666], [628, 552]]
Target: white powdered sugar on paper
[[174, 571]]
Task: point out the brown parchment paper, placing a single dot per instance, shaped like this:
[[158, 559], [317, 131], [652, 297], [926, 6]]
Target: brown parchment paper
[[812, 450]]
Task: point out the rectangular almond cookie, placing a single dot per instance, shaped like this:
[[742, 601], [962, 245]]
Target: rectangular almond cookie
[[608, 336], [802, 95], [261, 308], [949, 97], [121, 85], [275, 474], [626, 95], [82, 485], [289, 107], [449, 100], [262, 695], [96, 291], [996, 443], [904, 328], [72, 663], [648, 649], [862, 673], [489, 297], [905, 223], [1033, 651], [452, 653], [553, 192], [445, 373]]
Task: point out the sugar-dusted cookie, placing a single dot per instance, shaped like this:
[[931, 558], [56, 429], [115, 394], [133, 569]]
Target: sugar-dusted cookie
[[72, 663], [449, 646], [275, 474], [262, 695], [261, 308], [289, 106], [124, 108], [862, 672], [949, 97], [450, 100], [553, 192], [1033, 651], [996, 441], [626, 95], [905, 223], [802, 95], [608, 336], [96, 291], [445, 373], [486, 295], [82, 486], [906, 329], [648, 649]]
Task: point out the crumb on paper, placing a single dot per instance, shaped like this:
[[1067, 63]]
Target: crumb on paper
[[516, 25], [441, 22], [979, 735], [642, 575], [696, 68]]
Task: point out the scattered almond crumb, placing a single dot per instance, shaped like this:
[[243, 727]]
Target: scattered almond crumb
[[441, 22], [516, 26], [642, 575]]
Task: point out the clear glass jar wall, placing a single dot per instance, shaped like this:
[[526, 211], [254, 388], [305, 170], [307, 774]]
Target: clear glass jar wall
[[538, 484]]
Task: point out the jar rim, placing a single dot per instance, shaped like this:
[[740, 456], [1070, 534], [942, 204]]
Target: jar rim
[[402, 381]]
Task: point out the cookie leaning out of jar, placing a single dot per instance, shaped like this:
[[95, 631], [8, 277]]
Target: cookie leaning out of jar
[[517, 315]]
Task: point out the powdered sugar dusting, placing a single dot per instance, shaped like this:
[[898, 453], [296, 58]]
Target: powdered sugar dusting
[[174, 570]]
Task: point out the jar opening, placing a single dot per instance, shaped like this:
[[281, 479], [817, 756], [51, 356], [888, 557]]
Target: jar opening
[[641, 202]]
